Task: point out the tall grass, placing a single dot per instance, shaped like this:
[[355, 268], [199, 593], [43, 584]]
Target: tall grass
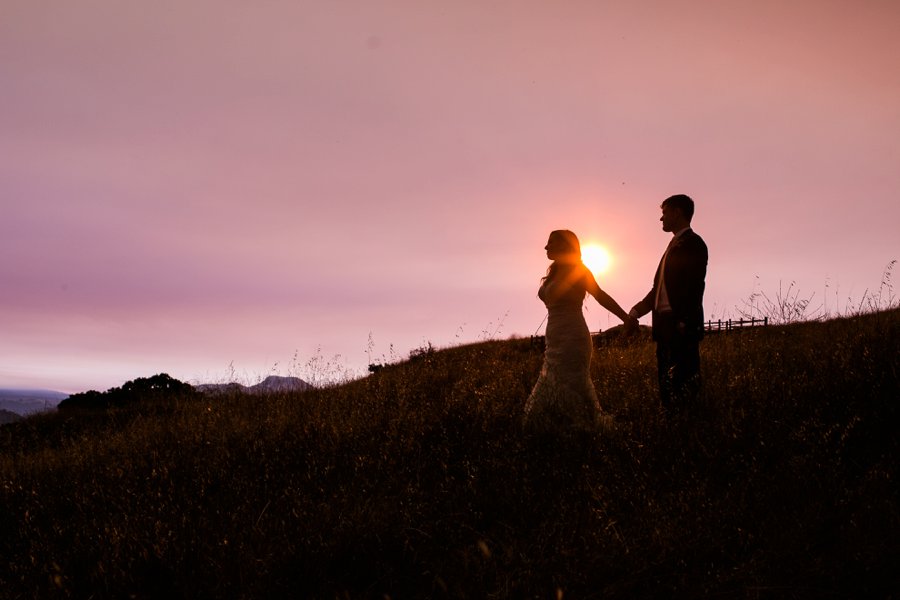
[[417, 482]]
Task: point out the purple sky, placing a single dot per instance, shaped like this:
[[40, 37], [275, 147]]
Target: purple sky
[[198, 186]]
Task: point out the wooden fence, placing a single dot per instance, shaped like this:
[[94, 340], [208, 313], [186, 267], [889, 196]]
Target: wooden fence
[[600, 338], [731, 325]]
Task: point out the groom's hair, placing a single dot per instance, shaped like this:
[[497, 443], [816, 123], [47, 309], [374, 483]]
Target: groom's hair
[[681, 202]]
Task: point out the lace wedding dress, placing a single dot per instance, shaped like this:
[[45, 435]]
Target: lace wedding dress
[[564, 398]]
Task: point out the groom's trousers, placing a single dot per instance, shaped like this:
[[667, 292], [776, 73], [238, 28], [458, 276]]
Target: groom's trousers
[[677, 363]]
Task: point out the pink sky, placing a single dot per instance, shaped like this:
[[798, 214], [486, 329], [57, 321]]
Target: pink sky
[[194, 186]]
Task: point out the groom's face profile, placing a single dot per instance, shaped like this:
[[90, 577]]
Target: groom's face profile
[[671, 218]]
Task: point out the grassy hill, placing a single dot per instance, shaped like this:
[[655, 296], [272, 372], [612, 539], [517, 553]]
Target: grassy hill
[[417, 482]]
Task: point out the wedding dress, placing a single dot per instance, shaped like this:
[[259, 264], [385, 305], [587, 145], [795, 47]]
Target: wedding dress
[[564, 398]]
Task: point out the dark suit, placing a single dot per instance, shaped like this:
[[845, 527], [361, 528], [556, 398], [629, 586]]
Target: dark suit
[[678, 331]]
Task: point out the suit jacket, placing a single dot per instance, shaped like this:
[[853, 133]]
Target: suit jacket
[[685, 278]]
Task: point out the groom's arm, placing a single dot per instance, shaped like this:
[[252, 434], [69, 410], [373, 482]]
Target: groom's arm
[[644, 306]]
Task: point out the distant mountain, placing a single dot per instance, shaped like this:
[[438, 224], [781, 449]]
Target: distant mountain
[[25, 402], [273, 384]]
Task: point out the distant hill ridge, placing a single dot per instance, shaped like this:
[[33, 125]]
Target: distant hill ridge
[[269, 385], [162, 386]]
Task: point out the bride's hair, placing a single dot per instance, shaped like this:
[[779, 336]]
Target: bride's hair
[[571, 248]]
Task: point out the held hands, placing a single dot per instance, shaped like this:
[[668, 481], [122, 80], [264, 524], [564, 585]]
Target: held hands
[[631, 324], [631, 321]]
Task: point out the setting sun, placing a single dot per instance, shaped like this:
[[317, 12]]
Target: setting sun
[[596, 258]]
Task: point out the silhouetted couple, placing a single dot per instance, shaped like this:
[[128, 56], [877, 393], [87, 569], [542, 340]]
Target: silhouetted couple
[[564, 397]]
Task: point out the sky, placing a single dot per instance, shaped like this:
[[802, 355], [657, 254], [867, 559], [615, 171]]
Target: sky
[[226, 189]]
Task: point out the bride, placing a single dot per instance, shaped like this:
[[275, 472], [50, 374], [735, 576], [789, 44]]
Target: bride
[[564, 399]]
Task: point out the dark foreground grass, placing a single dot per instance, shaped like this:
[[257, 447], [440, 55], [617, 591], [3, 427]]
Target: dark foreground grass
[[416, 482]]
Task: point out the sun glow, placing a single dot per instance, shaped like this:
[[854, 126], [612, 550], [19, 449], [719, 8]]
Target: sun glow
[[596, 258]]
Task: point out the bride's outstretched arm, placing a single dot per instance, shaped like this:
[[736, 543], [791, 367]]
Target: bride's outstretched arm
[[605, 300]]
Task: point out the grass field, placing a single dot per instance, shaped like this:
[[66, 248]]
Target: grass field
[[417, 482]]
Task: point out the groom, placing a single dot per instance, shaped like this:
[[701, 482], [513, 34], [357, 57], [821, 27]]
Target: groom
[[676, 301]]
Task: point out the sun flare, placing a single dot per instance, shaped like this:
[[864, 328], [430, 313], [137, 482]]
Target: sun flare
[[596, 258]]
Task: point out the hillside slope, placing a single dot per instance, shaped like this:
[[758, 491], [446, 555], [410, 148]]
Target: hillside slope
[[417, 482]]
